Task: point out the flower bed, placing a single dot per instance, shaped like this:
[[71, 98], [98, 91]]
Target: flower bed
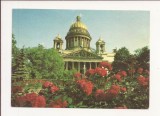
[[99, 88]]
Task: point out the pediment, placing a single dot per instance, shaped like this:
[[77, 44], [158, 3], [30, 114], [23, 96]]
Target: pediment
[[82, 54]]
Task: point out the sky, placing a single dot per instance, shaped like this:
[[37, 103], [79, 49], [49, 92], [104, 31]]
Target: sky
[[118, 29]]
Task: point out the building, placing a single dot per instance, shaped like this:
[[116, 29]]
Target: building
[[78, 53]]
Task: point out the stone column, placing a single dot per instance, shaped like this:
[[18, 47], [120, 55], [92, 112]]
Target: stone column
[[96, 64], [90, 65], [85, 42], [66, 65], [74, 42], [78, 66], [72, 65], [84, 68], [78, 41], [82, 42]]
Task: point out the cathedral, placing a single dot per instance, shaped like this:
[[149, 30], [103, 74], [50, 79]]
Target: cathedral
[[78, 54]]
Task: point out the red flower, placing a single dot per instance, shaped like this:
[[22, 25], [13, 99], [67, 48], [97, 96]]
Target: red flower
[[123, 73], [47, 84], [90, 72], [118, 77], [147, 79], [113, 92], [140, 70], [100, 94], [16, 89], [105, 65], [115, 87], [58, 104], [143, 81], [101, 72], [131, 71], [77, 75], [31, 100], [39, 101], [86, 86], [30, 97], [123, 89], [54, 89]]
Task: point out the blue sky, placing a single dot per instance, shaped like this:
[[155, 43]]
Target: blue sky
[[117, 28]]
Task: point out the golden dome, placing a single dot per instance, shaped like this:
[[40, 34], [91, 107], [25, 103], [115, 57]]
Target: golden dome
[[78, 24], [78, 29]]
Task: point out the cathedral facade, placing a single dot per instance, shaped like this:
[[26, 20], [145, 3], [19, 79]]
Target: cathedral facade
[[78, 54]]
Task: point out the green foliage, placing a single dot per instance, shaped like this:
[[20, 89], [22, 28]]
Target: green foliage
[[142, 56], [120, 59], [15, 52], [20, 71], [68, 74], [45, 63]]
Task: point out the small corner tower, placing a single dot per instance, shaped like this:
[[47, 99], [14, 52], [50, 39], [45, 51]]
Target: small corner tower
[[58, 42], [100, 46]]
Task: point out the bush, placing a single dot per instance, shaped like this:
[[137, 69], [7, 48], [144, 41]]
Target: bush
[[97, 89]]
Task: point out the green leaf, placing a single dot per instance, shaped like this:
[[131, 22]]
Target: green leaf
[[69, 100], [65, 97], [71, 106], [127, 83], [57, 97]]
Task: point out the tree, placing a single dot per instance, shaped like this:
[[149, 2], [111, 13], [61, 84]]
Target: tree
[[15, 52], [120, 59], [20, 72], [45, 63], [142, 56]]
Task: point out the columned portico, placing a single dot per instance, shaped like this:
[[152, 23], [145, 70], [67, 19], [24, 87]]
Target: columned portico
[[80, 66]]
